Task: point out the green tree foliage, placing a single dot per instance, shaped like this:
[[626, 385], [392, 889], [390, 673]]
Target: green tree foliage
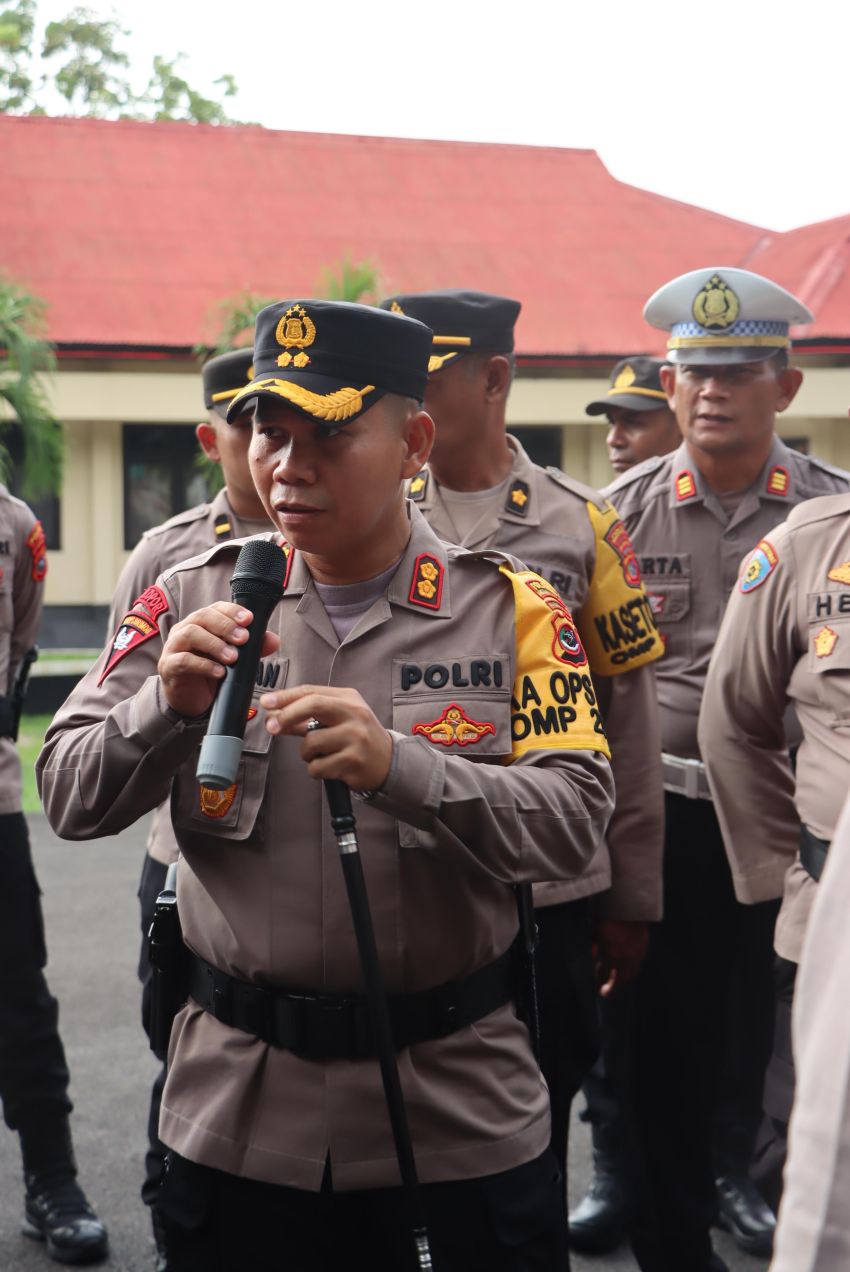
[[17, 25], [93, 75], [352, 281], [24, 357], [83, 61]]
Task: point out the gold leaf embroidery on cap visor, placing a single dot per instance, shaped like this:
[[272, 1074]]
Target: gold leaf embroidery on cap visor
[[340, 405]]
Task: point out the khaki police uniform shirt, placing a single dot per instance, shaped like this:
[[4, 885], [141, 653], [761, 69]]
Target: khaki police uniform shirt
[[570, 535], [183, 536], [23, 566], [785, 638], [689, 554], [472, 805], [813, 1233]]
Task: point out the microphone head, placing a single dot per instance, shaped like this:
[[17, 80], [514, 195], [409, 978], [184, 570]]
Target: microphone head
[[260, 568]]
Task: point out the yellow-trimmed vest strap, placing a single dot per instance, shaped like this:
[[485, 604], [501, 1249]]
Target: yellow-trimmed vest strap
[[619, 627], [553, 706]]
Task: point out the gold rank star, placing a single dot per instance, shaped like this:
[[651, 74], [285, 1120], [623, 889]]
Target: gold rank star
[[519, 497], [840, 573]]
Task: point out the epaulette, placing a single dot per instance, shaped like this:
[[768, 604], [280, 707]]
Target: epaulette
[[587, 494], [816, 462], [643, 469], [184, 518], [219, 551], [493, 556], [821, 508]]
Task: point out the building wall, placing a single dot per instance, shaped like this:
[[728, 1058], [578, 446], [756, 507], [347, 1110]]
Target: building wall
[[95, 402]]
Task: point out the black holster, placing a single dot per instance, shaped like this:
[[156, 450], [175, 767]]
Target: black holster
[[525, 947], [169, 960]]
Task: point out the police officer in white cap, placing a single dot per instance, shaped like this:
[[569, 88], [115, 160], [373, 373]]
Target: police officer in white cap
[[704, 999]]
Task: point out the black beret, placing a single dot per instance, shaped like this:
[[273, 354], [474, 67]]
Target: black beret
[[462, 321], [635, 386], [225, 375], [332, 360]]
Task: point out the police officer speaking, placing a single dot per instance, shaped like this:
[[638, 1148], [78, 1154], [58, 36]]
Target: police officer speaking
[[414, 657]]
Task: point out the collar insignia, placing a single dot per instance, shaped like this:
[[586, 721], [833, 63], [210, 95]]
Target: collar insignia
[[454, 728], [518, 497], [296, 330], [625, 379], [426, 587], [418, 486], [216, 803], [825, 641], [716, 307], [777, 481], [223, 527], [686, 487], [840, 573]]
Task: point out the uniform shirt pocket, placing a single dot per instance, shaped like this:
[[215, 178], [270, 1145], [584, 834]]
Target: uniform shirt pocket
[[671, 607]]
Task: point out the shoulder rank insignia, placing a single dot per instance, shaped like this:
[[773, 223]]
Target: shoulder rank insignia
[[825, 641], [223, 527], [418, 486], [216, 803], [761, 562], [426, 587], [454, 728], [37, 544], [517, 500], [840, 573], [686, 487], [139, 625], [778, 481]]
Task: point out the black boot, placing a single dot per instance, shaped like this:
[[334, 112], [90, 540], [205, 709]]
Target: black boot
[[55, 1207], [600, 1220], [161, 1238], [743, 1212]]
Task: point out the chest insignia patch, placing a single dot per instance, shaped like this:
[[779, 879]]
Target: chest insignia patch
[[140, 625], [761, 563], [426, 586], [825, 641], [686, 487], [454, 728], [517, 500], [37, 544], [618, 539], [778, 481], [840, 573], [216, 803]]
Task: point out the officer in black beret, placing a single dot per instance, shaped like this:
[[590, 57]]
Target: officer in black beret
[[642, 424]]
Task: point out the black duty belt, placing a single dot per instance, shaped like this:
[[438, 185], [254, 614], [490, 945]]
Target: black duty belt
[[337, 1026], [812, 852]]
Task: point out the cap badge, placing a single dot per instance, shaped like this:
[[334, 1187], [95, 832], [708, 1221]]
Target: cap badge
[[625, 379], [716, 307], [686, 487], [296, 330], [454, 727], [825, 641], [395, 308]]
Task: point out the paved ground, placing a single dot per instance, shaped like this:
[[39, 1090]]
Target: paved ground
[[92, 925]]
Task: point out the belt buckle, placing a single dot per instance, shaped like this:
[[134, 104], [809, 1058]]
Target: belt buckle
[[329, 1027]]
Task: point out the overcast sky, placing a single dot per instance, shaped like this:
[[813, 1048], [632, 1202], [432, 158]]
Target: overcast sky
[[741, 107]]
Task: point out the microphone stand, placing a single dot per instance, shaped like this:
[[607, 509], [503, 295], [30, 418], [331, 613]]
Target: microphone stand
[[343, 823]]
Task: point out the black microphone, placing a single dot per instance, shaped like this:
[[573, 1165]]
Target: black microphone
[[257, 584]]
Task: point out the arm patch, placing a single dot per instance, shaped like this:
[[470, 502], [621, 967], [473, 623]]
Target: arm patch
[[619, 628]]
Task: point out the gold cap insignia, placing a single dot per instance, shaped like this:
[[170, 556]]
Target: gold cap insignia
[[825, 641], [840, 573], [296, 330], [626, 378], [395, 308], [716, 307]]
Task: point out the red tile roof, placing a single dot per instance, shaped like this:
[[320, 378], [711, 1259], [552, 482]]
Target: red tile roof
[[133, 231]]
